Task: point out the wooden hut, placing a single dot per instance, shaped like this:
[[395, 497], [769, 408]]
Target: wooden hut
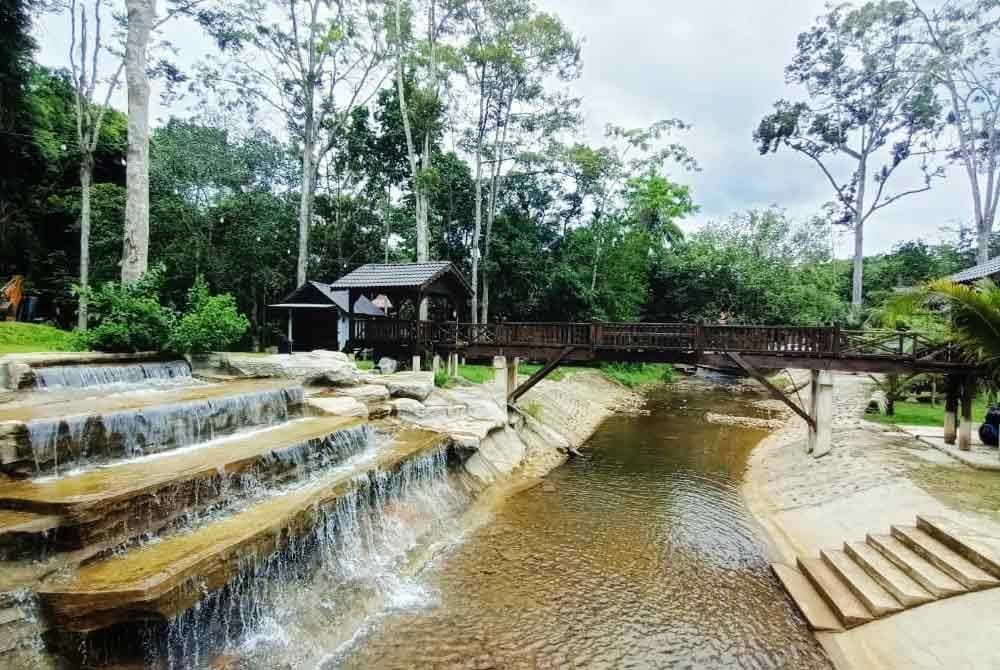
[[318, 316]]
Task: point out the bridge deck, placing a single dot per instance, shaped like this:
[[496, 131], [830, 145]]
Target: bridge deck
[[814, 348]]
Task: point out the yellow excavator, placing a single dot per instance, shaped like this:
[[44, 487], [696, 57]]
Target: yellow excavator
[[11, 296]]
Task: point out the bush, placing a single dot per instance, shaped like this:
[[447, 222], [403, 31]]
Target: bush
[[127, 317], [442, 380], [638, 374], [132, 318], [211, 323]]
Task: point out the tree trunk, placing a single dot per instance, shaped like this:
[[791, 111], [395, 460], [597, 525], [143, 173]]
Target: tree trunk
[[86, 177], [306, 201], [983, 243], [135, 252], [477, 230], [857, 277]]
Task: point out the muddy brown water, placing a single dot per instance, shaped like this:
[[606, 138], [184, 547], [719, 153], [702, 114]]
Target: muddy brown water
[[640, 554]]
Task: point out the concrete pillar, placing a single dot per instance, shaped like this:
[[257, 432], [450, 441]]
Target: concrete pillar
[[435, 364], [950, 410], [813, 396], [500, 382], [416, 363], [453, 364], [965, 423], [822, 442], [512, 364]]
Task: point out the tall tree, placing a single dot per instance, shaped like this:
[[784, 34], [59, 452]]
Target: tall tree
[[865, 107], [135, 251], [311, 61], [513, 52], [961, 39], [85, 52]]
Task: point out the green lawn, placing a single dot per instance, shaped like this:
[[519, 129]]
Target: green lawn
[[925, 414], [628, 374], [23, 338]]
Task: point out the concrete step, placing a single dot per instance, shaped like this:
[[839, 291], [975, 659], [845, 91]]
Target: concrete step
[[943, 558], [817, 613], [161, 580], [115, 503], [975, 546], [903, 588], [848, 608], [876, 599], [937, 583]]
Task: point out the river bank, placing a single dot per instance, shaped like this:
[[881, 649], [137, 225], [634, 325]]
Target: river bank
[[875, 477]]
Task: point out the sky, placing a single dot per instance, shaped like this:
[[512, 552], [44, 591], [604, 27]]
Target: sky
[[715, 64]]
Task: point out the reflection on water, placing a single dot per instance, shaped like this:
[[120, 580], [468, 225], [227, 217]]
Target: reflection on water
[[639, 554]]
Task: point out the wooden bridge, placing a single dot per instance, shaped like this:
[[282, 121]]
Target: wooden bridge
[[752, 349], [766, 347]]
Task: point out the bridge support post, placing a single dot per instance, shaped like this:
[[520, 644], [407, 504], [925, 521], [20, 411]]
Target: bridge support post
[[821, 410], [512, 364], [965, 423], [453, 364], [416, 363], [500, 383], [435, 364], [950, 410]]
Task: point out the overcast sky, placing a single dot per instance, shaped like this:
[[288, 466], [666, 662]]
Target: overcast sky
[[716, 64]]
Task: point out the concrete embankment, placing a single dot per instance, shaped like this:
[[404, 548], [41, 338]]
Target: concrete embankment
[[875, 478]]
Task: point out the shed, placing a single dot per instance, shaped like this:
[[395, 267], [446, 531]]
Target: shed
[[318, 316], [990, 268], [413, 283]]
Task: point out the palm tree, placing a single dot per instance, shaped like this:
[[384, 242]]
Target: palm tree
[[975, 320]]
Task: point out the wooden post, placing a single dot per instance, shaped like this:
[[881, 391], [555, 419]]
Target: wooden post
[[813, 396], [416, 363], [500, 382], [512, 364], [823, 414], [965, 424], [352, 298], [453, 364], [291, 346], [950, 409], [836, 340], [435, 364]]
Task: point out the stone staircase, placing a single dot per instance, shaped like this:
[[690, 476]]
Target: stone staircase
[[908, 567]]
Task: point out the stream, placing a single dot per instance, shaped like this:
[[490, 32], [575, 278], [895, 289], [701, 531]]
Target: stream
[[641, 553]]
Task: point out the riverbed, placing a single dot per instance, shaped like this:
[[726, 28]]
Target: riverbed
[[640, 553]]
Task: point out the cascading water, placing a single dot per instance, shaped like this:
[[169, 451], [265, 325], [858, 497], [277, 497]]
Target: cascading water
[[320, 586], [132, 433], [94, 376]]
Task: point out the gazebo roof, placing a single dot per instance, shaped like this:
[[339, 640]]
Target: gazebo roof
[[400, 276], [990, 267], [316, 295]]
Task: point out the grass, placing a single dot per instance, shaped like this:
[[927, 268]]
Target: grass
[[23, 338], [634, 375], [925, 414], [365, 365], [631, 375]]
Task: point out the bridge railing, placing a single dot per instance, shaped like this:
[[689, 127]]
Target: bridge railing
[[827, 341]]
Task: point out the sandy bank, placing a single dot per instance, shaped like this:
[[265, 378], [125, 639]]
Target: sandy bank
[[876, 477]]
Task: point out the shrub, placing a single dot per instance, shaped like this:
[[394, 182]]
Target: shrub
[[211, 322], [441, 379], [638, 374], [127, 317]]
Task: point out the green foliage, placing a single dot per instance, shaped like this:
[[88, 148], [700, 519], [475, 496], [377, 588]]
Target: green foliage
[[128, 318], [534, 409], [21, 338], [211, 322], [442, 380], [477, 374], [634, 375], [758, 267]]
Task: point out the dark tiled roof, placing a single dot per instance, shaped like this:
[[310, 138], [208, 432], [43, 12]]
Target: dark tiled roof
[[362, 306], [990, 267], [376, 275]]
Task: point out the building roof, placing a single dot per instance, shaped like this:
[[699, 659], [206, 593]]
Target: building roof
[[398, 275], [362, 306], [987, 269]]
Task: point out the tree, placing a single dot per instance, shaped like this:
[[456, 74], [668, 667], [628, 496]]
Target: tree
[[311, 61], [961, 55], [85, 53], [135, 249], [513, 51], [866, 108]]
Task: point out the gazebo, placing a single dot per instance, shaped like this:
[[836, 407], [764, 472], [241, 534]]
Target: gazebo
[[318, 316], [411, 283]]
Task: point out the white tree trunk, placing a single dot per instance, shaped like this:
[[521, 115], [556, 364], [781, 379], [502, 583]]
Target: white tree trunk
[[857, 277], [985, 232], [306, 201], [476, 233], [135, 253], [86, 177]]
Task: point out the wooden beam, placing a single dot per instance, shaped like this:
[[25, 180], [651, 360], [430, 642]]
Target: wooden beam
[[774, 390], [538, 376]]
